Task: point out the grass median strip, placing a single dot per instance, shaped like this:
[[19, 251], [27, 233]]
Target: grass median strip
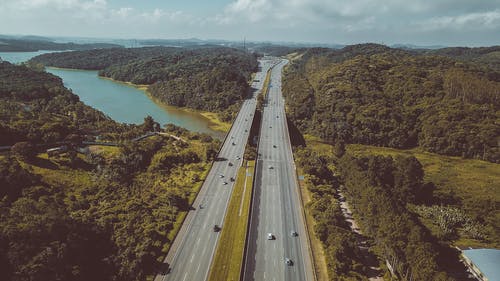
[[228, 258]]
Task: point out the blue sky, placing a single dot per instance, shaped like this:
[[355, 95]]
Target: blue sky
[[422, 22]]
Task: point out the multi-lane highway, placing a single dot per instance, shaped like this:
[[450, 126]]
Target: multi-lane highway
[[192, 251], [276, 207]]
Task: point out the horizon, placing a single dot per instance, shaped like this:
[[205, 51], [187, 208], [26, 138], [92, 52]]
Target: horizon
[[308, 44], [422, 23]]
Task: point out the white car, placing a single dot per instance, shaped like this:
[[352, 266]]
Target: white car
[[270, 236], [271, 167], [238, 158], [294, 233], [221, 176], [224, 183], [288, 262]]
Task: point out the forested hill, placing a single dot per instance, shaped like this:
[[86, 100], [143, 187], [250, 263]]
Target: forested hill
[[32, 45], [372, 94], [36, 107], [212, 79], [488, 56], [99, 59]]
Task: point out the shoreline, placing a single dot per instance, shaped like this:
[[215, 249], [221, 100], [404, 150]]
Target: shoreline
[[214, 123]]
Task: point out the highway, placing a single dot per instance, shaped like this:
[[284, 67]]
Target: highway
[[276, 206], [192, 251]]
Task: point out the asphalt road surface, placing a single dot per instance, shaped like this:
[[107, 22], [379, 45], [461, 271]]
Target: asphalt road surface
[[276, 208], [192, 251]]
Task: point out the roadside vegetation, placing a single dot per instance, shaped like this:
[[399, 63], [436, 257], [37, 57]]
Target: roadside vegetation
[[344, 260], [465, 195], [444, 200], [101, 216]]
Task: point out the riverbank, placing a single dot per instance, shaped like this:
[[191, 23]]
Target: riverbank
[[127, 102], [215, 123]]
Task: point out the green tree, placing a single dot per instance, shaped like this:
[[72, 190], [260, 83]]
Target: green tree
[[25, 151]]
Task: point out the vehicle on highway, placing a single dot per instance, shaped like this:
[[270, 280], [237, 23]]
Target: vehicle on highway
[[294, 233], [238, 158], [288, 262], [270, 126], [232, 179], [233, 143], [270, 236], [271, 167], [216, 228], [221, 176], [274, 146], [224, 183], [230, 164]]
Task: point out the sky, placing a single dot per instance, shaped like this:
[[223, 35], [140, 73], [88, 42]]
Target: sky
[[420, 22]]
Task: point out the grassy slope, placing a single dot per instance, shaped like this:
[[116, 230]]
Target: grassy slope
[[228, 258], [318, 251], [464, 177], [71, 179]]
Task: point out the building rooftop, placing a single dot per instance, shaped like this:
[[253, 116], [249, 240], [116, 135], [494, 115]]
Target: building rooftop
[[487, 260]]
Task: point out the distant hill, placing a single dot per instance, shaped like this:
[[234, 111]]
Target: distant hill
[[372, 94], [36, 43], [412, 46], [487, 56]]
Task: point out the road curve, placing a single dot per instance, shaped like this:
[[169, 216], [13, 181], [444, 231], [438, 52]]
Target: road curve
[[276, 206], [192, 251]]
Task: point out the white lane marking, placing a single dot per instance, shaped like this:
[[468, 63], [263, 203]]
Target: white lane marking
[[191, 260], [243, 195], [185, 275]]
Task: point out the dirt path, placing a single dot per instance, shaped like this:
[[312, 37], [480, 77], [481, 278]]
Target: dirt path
[[375, 273]]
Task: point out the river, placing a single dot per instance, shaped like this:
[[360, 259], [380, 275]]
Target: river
[[124, 103]]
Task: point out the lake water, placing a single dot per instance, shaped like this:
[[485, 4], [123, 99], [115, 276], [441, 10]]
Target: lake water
[[122, 102]]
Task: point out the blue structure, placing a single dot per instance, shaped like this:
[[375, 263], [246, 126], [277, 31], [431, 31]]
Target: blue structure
[[483, 263]]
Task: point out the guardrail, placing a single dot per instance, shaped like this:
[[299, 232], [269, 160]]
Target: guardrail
[[250, 214]]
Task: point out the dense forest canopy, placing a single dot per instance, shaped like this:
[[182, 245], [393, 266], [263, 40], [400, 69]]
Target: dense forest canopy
[[208, 78], [32, 45], [108, 214], [36, 107], [101, 217], [488, 56], [372, 94]]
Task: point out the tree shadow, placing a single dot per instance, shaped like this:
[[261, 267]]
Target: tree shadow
[[296, 137], [44, 163]]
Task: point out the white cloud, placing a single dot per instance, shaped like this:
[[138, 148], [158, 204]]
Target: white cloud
[[85, 18], [482, 20], [340, 21]]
